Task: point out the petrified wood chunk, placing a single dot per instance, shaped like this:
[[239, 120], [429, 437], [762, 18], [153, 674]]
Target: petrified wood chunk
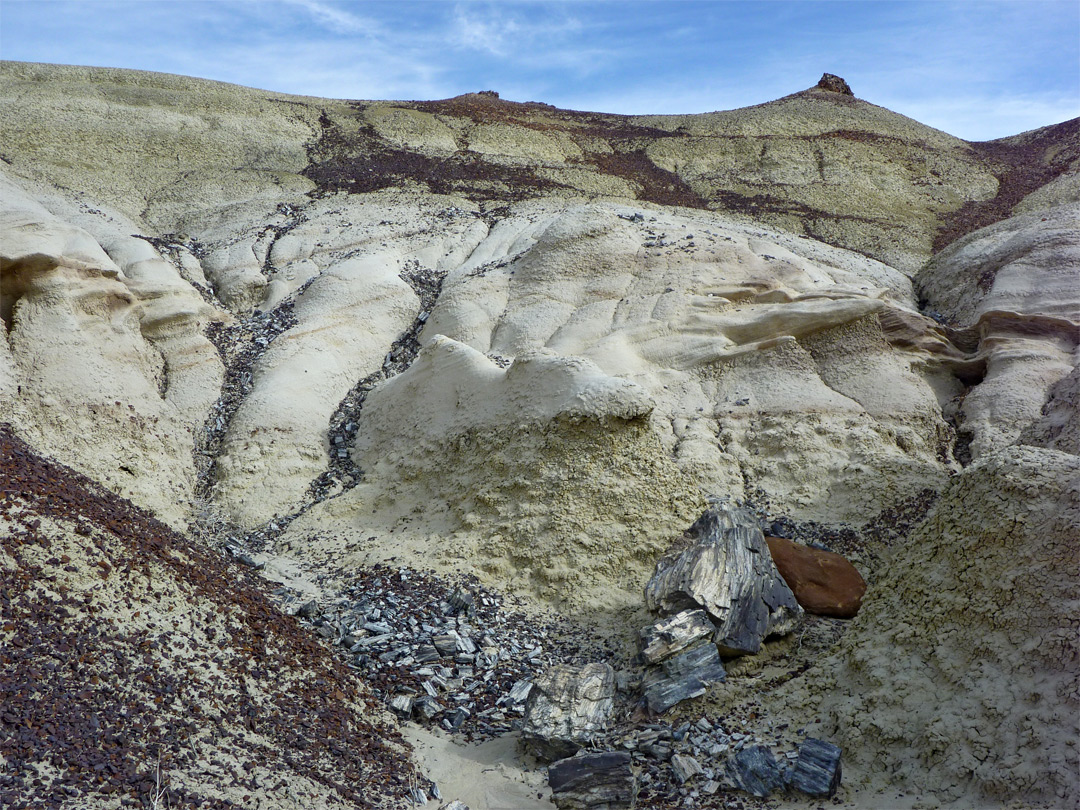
[[682, 677], [723, 565], [566, 707], [817, 771], [755, 770], [672, 635], [823, 582], [593, 781]]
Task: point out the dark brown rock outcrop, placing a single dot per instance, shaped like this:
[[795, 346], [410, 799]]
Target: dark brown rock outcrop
[[136, 667], [834, 84]]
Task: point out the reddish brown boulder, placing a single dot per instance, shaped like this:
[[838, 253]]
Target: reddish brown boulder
[[823, 582]]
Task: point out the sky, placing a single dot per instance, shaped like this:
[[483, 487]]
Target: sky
[[977, 69]]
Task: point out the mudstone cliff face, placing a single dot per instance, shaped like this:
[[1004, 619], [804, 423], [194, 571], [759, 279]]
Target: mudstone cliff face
[[529, 344]]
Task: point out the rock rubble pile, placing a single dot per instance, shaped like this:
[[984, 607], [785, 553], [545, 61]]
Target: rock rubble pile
[[442, 655], [454, 656]]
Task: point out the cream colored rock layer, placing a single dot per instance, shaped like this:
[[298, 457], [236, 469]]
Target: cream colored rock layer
[[1015, 288], [103, 364], [150, 144], [651, 363], [339, 259], [733, 331]]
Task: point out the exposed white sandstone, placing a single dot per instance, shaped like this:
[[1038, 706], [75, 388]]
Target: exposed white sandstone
[[105, 366], [785, 327], [1015, 288]]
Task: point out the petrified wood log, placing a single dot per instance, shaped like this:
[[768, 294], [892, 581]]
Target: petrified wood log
[[567, 706], [593, 782]]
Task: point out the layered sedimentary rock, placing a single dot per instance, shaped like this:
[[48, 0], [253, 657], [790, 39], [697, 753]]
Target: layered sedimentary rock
[[104, 363], [1011, 289], [529, 343]]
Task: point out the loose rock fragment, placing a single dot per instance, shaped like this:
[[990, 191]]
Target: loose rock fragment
[[567, 706], [462, 601], [685, 768], [674, 634], [824, 583], [755, 770], [402, 705], [445, 643], [427, 707], [519, 692], [817, 771], [593, 782], [683, 677]]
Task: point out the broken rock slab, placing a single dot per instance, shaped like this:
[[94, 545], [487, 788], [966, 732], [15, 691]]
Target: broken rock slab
[[674, 634], [824, 582], [755, 770], [566, 708], [685, 768], [723, 565], [602, 781], [682, 677], [817, 770]]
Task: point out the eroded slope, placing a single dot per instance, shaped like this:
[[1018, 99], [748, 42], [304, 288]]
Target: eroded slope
[[135, 665]]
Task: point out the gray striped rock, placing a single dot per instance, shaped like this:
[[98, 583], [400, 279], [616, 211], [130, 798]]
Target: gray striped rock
[[566, 708], [722, 565]]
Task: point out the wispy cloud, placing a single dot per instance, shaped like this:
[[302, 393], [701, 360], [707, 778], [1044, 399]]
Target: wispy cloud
[[514, 31], [482, 30], [336, 19]]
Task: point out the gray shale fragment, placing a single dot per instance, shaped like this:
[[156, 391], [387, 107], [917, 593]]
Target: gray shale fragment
[[566, 708], [817, 771], [723, 565], [755, 770], [593, 782], [402, 705]]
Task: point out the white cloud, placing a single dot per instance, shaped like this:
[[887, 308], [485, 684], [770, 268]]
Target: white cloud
[[483, 31], [336, 19], [517, 33]]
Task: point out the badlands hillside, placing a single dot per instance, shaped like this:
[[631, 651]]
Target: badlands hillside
[[467, 369]]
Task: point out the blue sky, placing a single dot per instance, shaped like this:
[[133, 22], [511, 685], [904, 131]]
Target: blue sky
[[979, 69]]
